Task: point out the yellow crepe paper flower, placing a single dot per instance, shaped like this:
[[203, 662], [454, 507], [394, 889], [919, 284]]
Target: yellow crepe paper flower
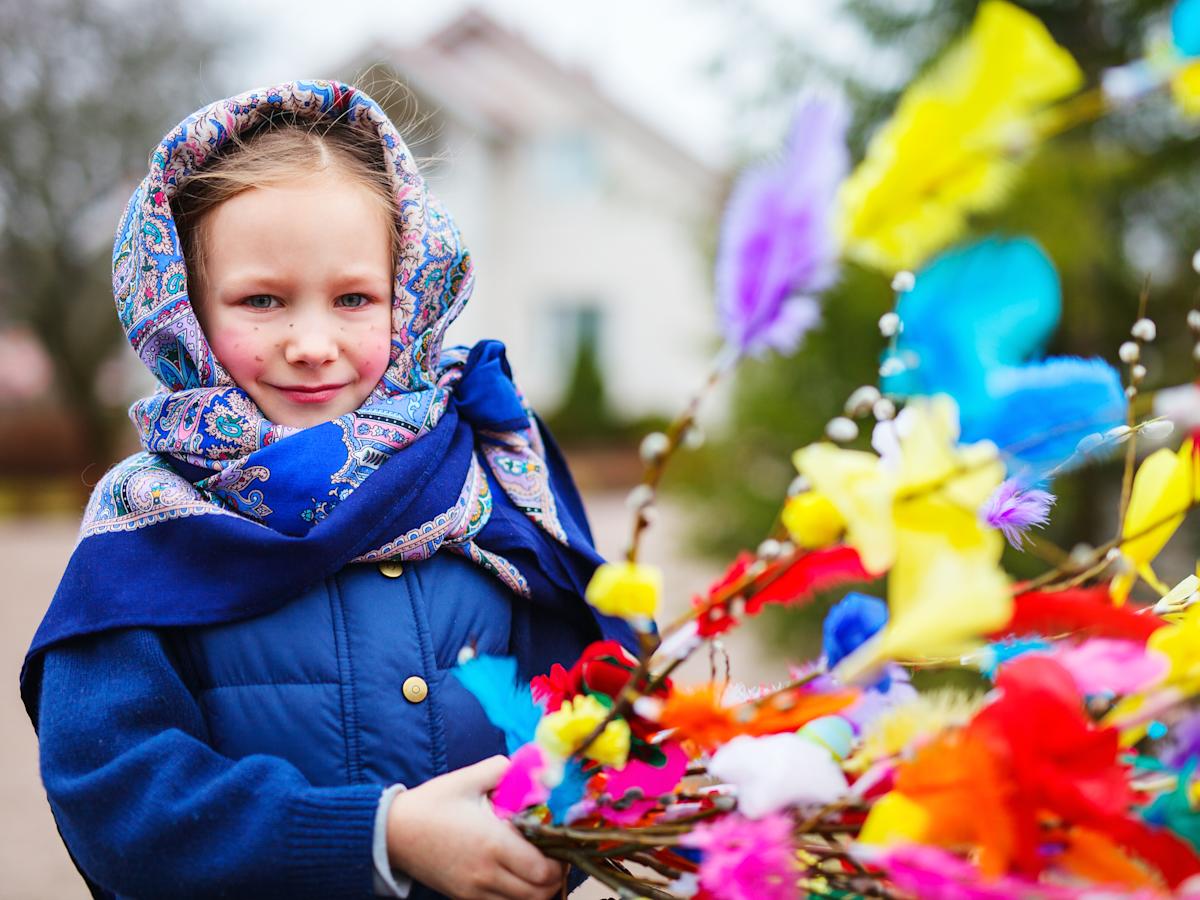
[[560, 733], [1185, 88], [946, 152], [862, 491], [812, 520], [895, 819], [625, 589], [944, 592], [917, 515], [933, 485], [1163, 488]]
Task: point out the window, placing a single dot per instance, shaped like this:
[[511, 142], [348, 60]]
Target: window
[[567, 163]]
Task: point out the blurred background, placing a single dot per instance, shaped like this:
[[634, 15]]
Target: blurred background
[[585, 150]]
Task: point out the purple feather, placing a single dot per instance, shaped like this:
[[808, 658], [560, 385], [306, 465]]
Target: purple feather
[[778, 246], [1014, 511], [1185, 745]]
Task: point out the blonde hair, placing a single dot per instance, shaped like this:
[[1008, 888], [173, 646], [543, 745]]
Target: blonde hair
[[278, 150]]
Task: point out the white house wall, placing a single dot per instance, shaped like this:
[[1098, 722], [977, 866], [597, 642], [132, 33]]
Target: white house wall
[[628, 240]]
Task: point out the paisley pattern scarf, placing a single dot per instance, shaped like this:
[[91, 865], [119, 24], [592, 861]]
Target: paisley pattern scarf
[[443, 454]]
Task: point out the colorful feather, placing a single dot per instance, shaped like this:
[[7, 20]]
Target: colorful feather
[[971, 323], [811, 573], [567, 792], [1085, 610], [995, 302], [948, 150], [1038, 413], [778, 248], [1185, 27], [505, 699]]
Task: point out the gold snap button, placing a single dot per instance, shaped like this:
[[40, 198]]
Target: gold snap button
[[415, 689], [392, 568]]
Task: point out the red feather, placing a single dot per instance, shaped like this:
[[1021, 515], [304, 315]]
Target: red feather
[[1088, 610], [715, 618], [811, 573]]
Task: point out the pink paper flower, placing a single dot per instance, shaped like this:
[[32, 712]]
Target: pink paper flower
[[746, 859], [1105, 665], [652, 781], [526, 783]]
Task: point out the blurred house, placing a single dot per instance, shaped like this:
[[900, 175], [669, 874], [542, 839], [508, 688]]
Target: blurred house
[[587, 226]]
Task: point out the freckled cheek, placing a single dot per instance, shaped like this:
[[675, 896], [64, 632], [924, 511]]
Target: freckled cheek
[[243, 359], [374, 351]]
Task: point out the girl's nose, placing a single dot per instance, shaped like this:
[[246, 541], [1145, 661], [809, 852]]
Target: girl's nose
[[311, 342]]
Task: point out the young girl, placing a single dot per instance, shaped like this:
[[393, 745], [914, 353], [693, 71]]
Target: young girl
[[248, 658]]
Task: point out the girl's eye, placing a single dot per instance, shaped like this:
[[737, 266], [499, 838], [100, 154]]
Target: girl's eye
[[353, 301], [261, 301]]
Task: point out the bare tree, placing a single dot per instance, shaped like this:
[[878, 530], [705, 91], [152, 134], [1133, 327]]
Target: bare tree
[[86, 89]]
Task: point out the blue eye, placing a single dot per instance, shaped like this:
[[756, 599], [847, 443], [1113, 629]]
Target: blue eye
[[354, 301], [261, 301]]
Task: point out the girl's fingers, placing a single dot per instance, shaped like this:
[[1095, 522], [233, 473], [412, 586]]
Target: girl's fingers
[[485, 774], [554, 873], [544, 876], [504, 885], [523, 860]]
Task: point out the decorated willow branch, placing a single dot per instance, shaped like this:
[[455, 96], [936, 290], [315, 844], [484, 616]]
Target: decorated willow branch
[[1077, 774]]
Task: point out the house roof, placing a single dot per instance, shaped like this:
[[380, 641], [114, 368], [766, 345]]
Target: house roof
[[474, 66]]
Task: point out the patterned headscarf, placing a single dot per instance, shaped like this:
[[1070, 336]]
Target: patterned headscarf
[[202, 425], [226, 515]]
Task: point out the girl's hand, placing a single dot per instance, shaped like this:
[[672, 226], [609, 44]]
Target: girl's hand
[[444, 834]]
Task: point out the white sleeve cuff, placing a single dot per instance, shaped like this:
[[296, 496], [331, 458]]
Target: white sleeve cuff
[[388, 881]]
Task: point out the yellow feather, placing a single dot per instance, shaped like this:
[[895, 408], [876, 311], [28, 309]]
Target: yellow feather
[[952, 146]]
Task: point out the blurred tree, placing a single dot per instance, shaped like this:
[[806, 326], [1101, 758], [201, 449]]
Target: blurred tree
[[584, 415], [86, 89], [1114, 203]]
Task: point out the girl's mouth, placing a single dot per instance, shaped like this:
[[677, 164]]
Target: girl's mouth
[[318, 393]]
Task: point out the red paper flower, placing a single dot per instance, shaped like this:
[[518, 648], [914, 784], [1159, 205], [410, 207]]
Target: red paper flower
[[552, 689], [604, 668], [1060, 764], [1027, 773]]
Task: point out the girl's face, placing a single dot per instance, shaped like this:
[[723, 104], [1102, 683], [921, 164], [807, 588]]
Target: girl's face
[[296, 299]]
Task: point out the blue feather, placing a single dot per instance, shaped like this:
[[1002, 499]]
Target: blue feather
[[505, 699], [568, 792], [992, 303], [1185, 27], [973, 322], [996, 654], [1037, 414]]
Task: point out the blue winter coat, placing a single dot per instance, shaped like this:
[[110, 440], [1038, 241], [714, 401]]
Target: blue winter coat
[[321, 681], [311, 709]]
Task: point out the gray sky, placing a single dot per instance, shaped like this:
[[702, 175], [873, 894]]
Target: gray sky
[[646, 54]]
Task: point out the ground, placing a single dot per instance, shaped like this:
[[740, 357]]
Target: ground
[[33, 553]]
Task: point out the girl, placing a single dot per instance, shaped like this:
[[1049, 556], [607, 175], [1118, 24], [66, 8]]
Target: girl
[[248, 657]]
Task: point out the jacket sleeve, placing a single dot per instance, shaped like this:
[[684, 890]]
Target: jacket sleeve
[[149, 809]]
